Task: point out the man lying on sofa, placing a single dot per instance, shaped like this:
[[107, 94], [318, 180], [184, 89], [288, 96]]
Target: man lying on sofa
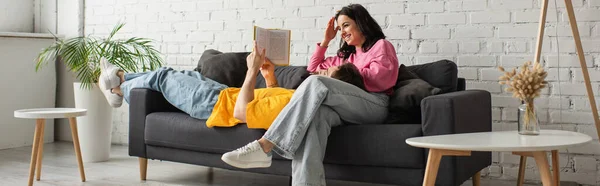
[[203, 98]]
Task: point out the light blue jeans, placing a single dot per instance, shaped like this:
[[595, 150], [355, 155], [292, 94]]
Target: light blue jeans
[[301, 130], [189, 91]]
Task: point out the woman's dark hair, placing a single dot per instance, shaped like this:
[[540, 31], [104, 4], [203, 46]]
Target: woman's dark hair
[[367, 25], [348, 73]]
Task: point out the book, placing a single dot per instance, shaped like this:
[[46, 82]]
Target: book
[[276, 43]]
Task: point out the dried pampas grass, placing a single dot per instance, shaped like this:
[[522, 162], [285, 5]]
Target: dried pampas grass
[[527, 83]]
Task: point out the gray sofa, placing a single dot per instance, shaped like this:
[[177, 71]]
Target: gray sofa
[[364, 153]]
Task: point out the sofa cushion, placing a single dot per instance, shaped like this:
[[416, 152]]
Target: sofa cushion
[[226, 68], [442, 74], [376, 145]]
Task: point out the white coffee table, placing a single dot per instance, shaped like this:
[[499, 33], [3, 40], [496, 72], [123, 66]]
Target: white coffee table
[[510, 141], [41, 114]]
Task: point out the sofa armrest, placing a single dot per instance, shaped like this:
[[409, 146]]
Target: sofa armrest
[[458, 112], [141, 103]]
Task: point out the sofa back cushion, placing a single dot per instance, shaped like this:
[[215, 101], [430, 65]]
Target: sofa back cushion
[[230, 68], [442, 74], [287, 76], [226, 68]]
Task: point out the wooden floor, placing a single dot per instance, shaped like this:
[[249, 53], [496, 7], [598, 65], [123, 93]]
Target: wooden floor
[[60, 168]]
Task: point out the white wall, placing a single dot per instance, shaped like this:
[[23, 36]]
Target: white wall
[[16, 16], [69, 22], [24, 88], [478, 34]]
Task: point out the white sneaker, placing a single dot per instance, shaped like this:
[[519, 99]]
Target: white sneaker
[[113, 99], [249, 156], [108, 74]]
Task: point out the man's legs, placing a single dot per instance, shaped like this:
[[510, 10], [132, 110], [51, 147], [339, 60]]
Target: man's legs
[[130, 76], [188, 91]]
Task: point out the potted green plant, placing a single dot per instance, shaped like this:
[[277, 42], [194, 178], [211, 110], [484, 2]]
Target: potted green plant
[[82, 55]]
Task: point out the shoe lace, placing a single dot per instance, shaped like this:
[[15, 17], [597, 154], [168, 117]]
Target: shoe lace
[[246, 149]]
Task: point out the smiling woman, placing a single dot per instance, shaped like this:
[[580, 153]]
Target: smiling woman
[[358, 31]]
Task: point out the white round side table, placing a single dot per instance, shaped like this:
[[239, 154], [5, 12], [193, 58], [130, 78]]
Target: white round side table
[[507, 141], [41, 114]]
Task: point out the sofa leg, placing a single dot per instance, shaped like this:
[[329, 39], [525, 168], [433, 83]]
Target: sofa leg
[[290, 183], [210, 175], [477, 178], [143, 168]]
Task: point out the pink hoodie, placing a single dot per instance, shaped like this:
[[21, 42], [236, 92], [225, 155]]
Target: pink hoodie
[[378, 66]]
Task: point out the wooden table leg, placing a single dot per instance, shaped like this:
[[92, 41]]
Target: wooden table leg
[[477, 178], [433, 163], [34, 150], [522, 165], [40, 154], [73, 123], [542, 163], [555, 171], [521, 176], [143, 168]]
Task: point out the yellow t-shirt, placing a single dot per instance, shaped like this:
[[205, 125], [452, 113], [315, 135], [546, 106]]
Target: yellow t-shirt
[[260, 112]]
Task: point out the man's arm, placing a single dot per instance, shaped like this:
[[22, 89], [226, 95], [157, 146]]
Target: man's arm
[[254, 61], [268, 72], [246, 95]]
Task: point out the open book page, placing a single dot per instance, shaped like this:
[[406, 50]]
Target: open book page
[[261, 36], [276, 42], [279, 47]]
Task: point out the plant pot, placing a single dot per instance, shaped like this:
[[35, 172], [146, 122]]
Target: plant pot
[[95, 128]]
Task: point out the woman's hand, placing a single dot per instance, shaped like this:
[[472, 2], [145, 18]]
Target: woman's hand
[[256, 59], [330, 32], [267, 69]]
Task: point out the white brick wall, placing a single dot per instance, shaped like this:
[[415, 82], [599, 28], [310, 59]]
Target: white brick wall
[[478, 35]]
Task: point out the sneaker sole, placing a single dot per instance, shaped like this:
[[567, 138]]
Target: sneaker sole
[[248, 165]]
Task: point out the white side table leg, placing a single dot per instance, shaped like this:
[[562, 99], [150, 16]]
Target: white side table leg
[[34, 149], [40, 154], [73, 123]]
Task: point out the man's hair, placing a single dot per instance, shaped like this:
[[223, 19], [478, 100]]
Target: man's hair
[[367, 25], [348, 73]]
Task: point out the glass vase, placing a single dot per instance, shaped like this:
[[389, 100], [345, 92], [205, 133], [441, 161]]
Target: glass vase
[[528, 120]]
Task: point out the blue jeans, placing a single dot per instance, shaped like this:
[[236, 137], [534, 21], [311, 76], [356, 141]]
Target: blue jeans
[[188, 91], [300, 131]]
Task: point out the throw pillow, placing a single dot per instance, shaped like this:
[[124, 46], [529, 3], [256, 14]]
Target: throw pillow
[[207, 54], [404, 74], [227, 68], [405, 102], [442, 74]]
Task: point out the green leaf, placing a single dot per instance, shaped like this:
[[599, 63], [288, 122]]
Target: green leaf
[[82, 55]]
